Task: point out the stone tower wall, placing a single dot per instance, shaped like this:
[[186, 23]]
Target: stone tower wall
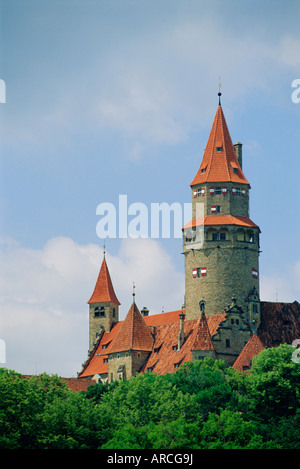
[[97, 321], [220, 269], [235, 201]]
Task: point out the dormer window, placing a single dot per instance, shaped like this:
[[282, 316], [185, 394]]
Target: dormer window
[[219, 149], [235, 170], [203, 170]]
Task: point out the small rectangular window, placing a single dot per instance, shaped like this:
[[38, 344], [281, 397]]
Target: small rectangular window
[[218, 190], [219, 148], [227, 343]]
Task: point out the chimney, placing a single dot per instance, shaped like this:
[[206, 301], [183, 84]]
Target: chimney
[[238, 152], [181, 330], [145, 311]]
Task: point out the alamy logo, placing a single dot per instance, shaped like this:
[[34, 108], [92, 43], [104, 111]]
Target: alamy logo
[[162, 220], [296, 92], [2, 351], [295, 357]]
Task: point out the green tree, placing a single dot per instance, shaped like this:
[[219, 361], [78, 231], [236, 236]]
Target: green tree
[[229, 431], [274, 382], [206, 379], [22, 403], [72, 422]]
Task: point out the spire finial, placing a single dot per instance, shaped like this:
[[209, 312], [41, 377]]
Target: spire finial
[[220, 94], [133, 292], [104, 249]]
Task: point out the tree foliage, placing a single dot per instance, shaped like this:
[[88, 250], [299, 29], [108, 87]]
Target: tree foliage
[[202, 405]]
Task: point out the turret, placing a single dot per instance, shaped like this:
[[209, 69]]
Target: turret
[[221, 246], [104, 305]]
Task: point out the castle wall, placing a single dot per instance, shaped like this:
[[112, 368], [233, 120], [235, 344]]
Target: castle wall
[[123, 365]]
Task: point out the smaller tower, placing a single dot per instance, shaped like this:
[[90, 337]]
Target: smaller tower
[[131, 346], [203, 346], [253, 310], [104, 305]]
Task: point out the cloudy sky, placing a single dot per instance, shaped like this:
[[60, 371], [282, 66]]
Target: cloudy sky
[[117, 97]]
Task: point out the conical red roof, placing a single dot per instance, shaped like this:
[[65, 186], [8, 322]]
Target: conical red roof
[[134, 333], [104, 290], [219, 162], [203, 338]]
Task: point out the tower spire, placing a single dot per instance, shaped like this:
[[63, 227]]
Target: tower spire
[[220, 94]]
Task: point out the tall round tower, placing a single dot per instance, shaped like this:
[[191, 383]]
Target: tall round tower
[[220, 243]]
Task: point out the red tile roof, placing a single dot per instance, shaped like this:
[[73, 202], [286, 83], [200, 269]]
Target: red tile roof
[[211, 220], [165, 358], [218, 165], [162, 318], [78, 384], [133, 334], [97, 361], [253, 347], [104, 290], [165, 327], [280, 323], [203, 338]]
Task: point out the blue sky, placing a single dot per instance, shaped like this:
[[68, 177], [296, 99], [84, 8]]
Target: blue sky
[[117, 97]]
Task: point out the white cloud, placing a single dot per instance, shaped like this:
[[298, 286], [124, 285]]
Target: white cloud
[[157, 86], [44, 294], [289, 51]]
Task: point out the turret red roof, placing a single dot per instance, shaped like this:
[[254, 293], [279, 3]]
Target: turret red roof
[[133, 334], [219, 162], [203, 339], [220, 220], [104, 290]]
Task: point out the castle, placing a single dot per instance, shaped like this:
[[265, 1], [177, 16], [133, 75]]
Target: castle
[[223, 316]]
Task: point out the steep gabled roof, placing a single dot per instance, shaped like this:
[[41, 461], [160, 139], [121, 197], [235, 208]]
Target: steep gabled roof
[[253, 347], [104, 290], [219, 162], [203, 339], [133, 334]]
